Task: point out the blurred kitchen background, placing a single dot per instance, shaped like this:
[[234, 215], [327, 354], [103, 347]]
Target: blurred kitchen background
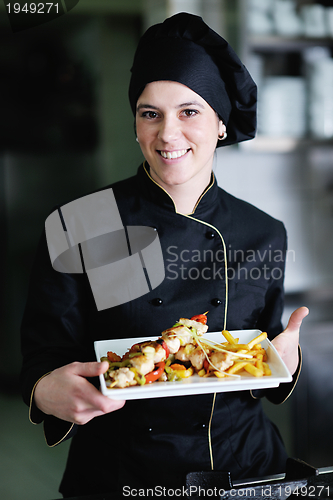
[[66, 128]]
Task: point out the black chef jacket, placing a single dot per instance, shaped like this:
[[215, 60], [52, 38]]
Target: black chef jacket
[[157, 442]]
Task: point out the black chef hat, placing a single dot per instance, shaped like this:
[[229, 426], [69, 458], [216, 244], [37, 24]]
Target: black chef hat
[[185, 50]]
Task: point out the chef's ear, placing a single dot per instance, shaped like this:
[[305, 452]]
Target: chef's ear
[[222, 128]]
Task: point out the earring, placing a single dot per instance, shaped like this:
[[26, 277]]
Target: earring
[[137, 140], [222, 137]]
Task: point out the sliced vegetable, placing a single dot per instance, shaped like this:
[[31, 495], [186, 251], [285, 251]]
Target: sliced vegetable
[[156, 373], [141, 379], [181, 371], [134, 354], [118, 364], [165, 347], [148, 351], [177, 366]]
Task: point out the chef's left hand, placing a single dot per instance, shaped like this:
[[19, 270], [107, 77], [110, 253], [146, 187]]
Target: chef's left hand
[[287, 342]]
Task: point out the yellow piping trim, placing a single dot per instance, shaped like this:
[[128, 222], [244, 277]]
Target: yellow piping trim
[[203, 194], [174, 204], [224, 325], [150, 177], [210, 435], [225, 265], [60, 440], [32, 397], [298, 374], [189, 216], [298, 370], [35, 423], [212, 227]]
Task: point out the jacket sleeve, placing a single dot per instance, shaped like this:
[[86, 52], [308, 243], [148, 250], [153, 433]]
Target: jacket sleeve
[[52, 332]]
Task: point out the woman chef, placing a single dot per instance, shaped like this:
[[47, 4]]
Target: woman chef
[[189, 93]]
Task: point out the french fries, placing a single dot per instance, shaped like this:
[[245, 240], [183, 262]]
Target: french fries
[[257, 340], [227, 335], [250, 358]]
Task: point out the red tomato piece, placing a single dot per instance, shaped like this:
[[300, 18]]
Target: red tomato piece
[[156, 373], [165, 347], [206, 365], [201, 318]]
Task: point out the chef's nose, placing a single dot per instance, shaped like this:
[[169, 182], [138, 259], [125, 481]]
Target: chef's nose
[[169, 130]]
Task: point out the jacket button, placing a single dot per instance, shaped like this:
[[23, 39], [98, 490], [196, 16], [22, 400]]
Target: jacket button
[[157, 302], [210, 235], [216, 302]]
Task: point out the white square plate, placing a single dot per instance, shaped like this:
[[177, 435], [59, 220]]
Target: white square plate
[[195, 384]]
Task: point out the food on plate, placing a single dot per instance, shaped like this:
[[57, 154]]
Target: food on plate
[[183, 351]]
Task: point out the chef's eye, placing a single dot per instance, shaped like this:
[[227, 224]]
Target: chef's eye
[[189, 112], [149, 114]]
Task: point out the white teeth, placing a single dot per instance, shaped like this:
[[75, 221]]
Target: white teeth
[[173, 154]]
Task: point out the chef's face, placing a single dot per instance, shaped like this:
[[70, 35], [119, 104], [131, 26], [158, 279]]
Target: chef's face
[[177, 131]]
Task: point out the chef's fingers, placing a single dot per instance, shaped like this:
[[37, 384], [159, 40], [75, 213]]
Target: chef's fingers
[[90, 402], [94, 405], [90, 413], [90, 369], [93, 399], [287, 342], [67, 394], [295, 320]]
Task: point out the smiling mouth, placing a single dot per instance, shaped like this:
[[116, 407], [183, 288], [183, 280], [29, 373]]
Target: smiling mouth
[[172, 155]]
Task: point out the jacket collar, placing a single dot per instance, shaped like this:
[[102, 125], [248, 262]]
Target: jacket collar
[[160, 197]]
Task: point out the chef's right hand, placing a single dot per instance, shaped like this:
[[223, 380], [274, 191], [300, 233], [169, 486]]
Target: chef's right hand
[[67, 394]]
